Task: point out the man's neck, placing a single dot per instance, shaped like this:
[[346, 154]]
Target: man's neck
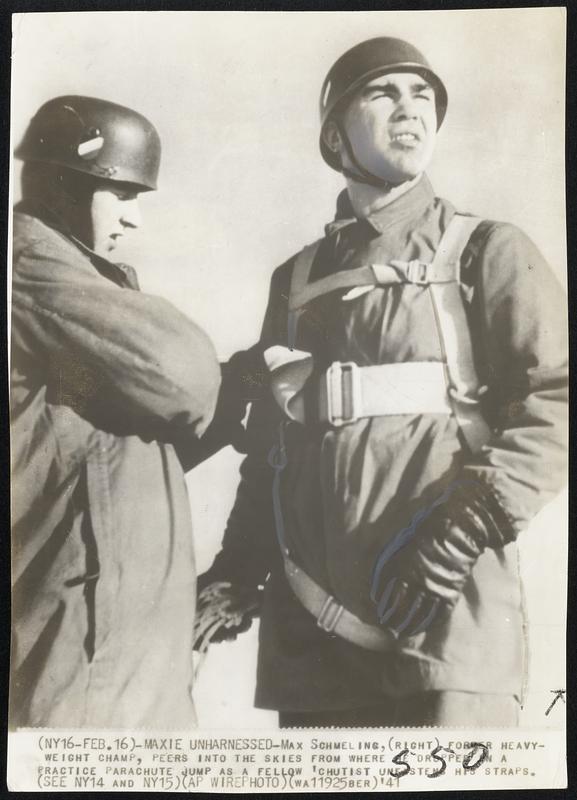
[[367, 200]]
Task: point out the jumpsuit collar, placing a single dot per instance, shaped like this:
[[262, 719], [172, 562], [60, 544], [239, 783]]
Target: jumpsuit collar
[[411, 203]]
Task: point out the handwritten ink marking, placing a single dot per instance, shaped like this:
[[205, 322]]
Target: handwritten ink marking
[[477, 755], [399, 761], [559, 694], [483, 756], [443, 768]]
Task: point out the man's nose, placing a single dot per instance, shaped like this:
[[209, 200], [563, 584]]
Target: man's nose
[[131, 217], [406, 108]]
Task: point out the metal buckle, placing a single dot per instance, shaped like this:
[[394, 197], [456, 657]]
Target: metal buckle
[[417, 272], [329, 615], [343, 393]]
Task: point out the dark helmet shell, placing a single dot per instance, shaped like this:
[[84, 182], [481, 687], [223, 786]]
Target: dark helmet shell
[[95, 137]]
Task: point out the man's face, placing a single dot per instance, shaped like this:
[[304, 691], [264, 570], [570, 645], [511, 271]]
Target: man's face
[[391, 123], [114, 210]]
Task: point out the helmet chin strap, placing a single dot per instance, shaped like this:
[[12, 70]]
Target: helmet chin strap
[[362, 175]]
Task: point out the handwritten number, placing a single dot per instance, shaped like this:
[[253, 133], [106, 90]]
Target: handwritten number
[[443, 768], [482, 758], [398, 759]]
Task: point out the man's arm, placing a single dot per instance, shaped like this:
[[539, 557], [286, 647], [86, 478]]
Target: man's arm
[[249, 545], [521, 310], [144, 356], [248, 550], [519, 331]]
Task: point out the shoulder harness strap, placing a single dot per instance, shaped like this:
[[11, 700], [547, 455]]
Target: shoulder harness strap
[[300, 277], [454, 333]]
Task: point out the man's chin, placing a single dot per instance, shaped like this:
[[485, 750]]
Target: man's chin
[[407, 172], [405, 169], [401, 173]]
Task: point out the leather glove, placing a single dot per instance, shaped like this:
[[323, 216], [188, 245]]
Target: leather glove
[[246, 374], [223, 611], [244, 378], [426, 567]]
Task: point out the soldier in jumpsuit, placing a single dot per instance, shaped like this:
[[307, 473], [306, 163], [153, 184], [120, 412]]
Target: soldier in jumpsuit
[[111, 389], [382, 532]]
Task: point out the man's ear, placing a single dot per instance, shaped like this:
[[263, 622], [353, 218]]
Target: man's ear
[[332, 136]]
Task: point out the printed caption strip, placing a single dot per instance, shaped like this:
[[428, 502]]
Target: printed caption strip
[[319, 760]]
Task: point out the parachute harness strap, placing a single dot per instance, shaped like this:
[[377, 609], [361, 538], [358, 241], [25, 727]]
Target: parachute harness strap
[[464, 386]]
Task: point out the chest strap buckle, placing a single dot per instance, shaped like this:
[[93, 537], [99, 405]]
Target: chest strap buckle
[[344, 397], [417, 272]]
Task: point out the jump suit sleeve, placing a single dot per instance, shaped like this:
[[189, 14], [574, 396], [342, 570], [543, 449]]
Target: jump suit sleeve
[[247, 549], [520, 311], [152, 361], [249, 546]]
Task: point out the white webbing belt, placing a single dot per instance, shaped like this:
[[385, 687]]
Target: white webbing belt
[[331, 616], [350, 392]]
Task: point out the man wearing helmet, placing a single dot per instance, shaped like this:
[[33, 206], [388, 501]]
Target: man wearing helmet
[[415, 425], [105, 381]]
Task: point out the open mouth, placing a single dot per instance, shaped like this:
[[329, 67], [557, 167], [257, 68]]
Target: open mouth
[[405, 138]]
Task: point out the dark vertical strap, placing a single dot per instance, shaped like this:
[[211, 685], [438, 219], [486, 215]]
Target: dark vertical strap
[[300, 276], [277, 459]]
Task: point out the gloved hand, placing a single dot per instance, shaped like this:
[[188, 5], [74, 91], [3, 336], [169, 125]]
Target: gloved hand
[[246, 374], [223, 611], [244, 379], [430, 562]]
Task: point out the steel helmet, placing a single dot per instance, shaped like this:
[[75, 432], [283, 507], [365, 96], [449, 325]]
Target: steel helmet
[[96, 137], [364, 62]]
